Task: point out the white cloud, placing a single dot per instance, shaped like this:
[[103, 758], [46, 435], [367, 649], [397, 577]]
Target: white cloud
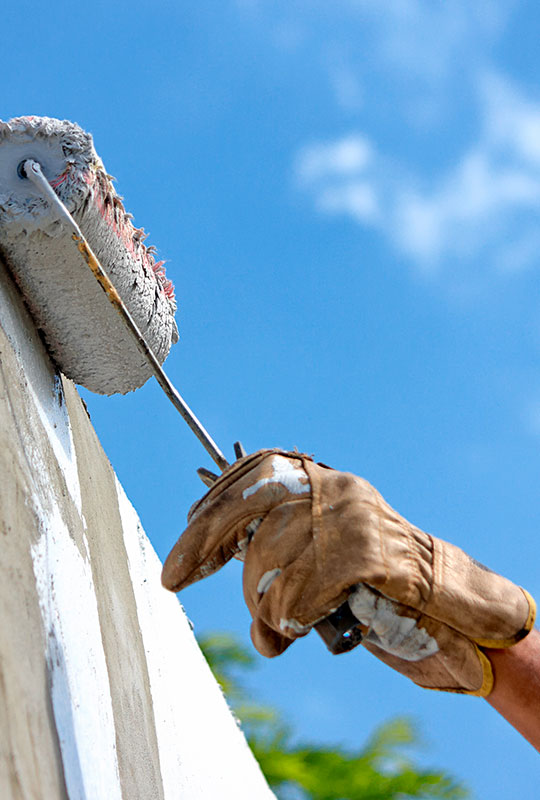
[[426, 39], [346, 156], [408, 69], [414, 49], [466, 211], [356, 199], [512, 120], [339, 173], [486, 204]]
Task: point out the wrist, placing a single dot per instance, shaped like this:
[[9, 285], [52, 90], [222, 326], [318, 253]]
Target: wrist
[[516, 688]]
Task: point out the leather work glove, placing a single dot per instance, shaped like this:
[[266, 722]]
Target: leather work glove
[[312, 538]]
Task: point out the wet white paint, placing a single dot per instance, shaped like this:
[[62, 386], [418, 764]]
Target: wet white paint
[[194, 726], [77, 672], [293, 625], [45, 387], [241, 553], [80, 690], [267, 580], [292, 477], [395, 634], [207, 569], [251, 527]]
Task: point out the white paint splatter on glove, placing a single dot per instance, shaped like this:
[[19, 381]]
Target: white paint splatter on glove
[[393, 633]]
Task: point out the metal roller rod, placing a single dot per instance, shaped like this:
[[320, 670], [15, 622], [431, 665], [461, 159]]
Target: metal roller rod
[[32, 170], [339, 631]]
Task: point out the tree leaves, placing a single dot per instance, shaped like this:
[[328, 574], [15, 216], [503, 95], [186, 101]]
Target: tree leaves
[[381, 770]]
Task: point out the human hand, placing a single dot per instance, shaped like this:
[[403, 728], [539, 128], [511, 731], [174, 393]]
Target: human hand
[[313, 537]]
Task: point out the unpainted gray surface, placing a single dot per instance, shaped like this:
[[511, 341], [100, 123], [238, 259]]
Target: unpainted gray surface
[[104, 694]]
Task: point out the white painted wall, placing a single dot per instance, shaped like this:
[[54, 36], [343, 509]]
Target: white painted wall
[[104, 693]]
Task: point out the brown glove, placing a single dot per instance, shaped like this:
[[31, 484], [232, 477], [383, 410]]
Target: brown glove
[[318, 537]]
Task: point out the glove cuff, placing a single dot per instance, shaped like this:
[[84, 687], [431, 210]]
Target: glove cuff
[[486, 687], [500, 644]]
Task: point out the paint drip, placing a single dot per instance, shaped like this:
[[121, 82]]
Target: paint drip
[[84, 333]]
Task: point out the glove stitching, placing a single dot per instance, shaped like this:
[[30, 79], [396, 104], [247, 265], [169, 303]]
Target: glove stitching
[[414, 597], [316, 511], [437, 568], [432, 567], [377, 502], [412, 594]]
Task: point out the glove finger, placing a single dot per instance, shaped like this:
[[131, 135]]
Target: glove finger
[[195, 556], [267, 641], [221, 523], [278, 546], [279, 569]]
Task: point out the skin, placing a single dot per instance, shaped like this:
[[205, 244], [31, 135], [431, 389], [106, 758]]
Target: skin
[[516, 693]]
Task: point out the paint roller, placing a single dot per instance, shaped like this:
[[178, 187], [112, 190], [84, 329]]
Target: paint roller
[[79, 326], [95, 290]]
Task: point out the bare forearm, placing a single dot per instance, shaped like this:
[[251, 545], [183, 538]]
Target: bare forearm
[[516, 692]]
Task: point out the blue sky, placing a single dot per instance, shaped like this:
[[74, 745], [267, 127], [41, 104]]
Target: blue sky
[[347, 195]]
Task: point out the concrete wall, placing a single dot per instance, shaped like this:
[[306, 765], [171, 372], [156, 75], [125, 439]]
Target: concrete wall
[[104, 693]]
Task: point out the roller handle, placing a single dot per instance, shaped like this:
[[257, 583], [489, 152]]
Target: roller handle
[[31, 170], [339, 631]]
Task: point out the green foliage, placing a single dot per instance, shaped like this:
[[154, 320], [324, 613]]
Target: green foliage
[[302, 771]]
